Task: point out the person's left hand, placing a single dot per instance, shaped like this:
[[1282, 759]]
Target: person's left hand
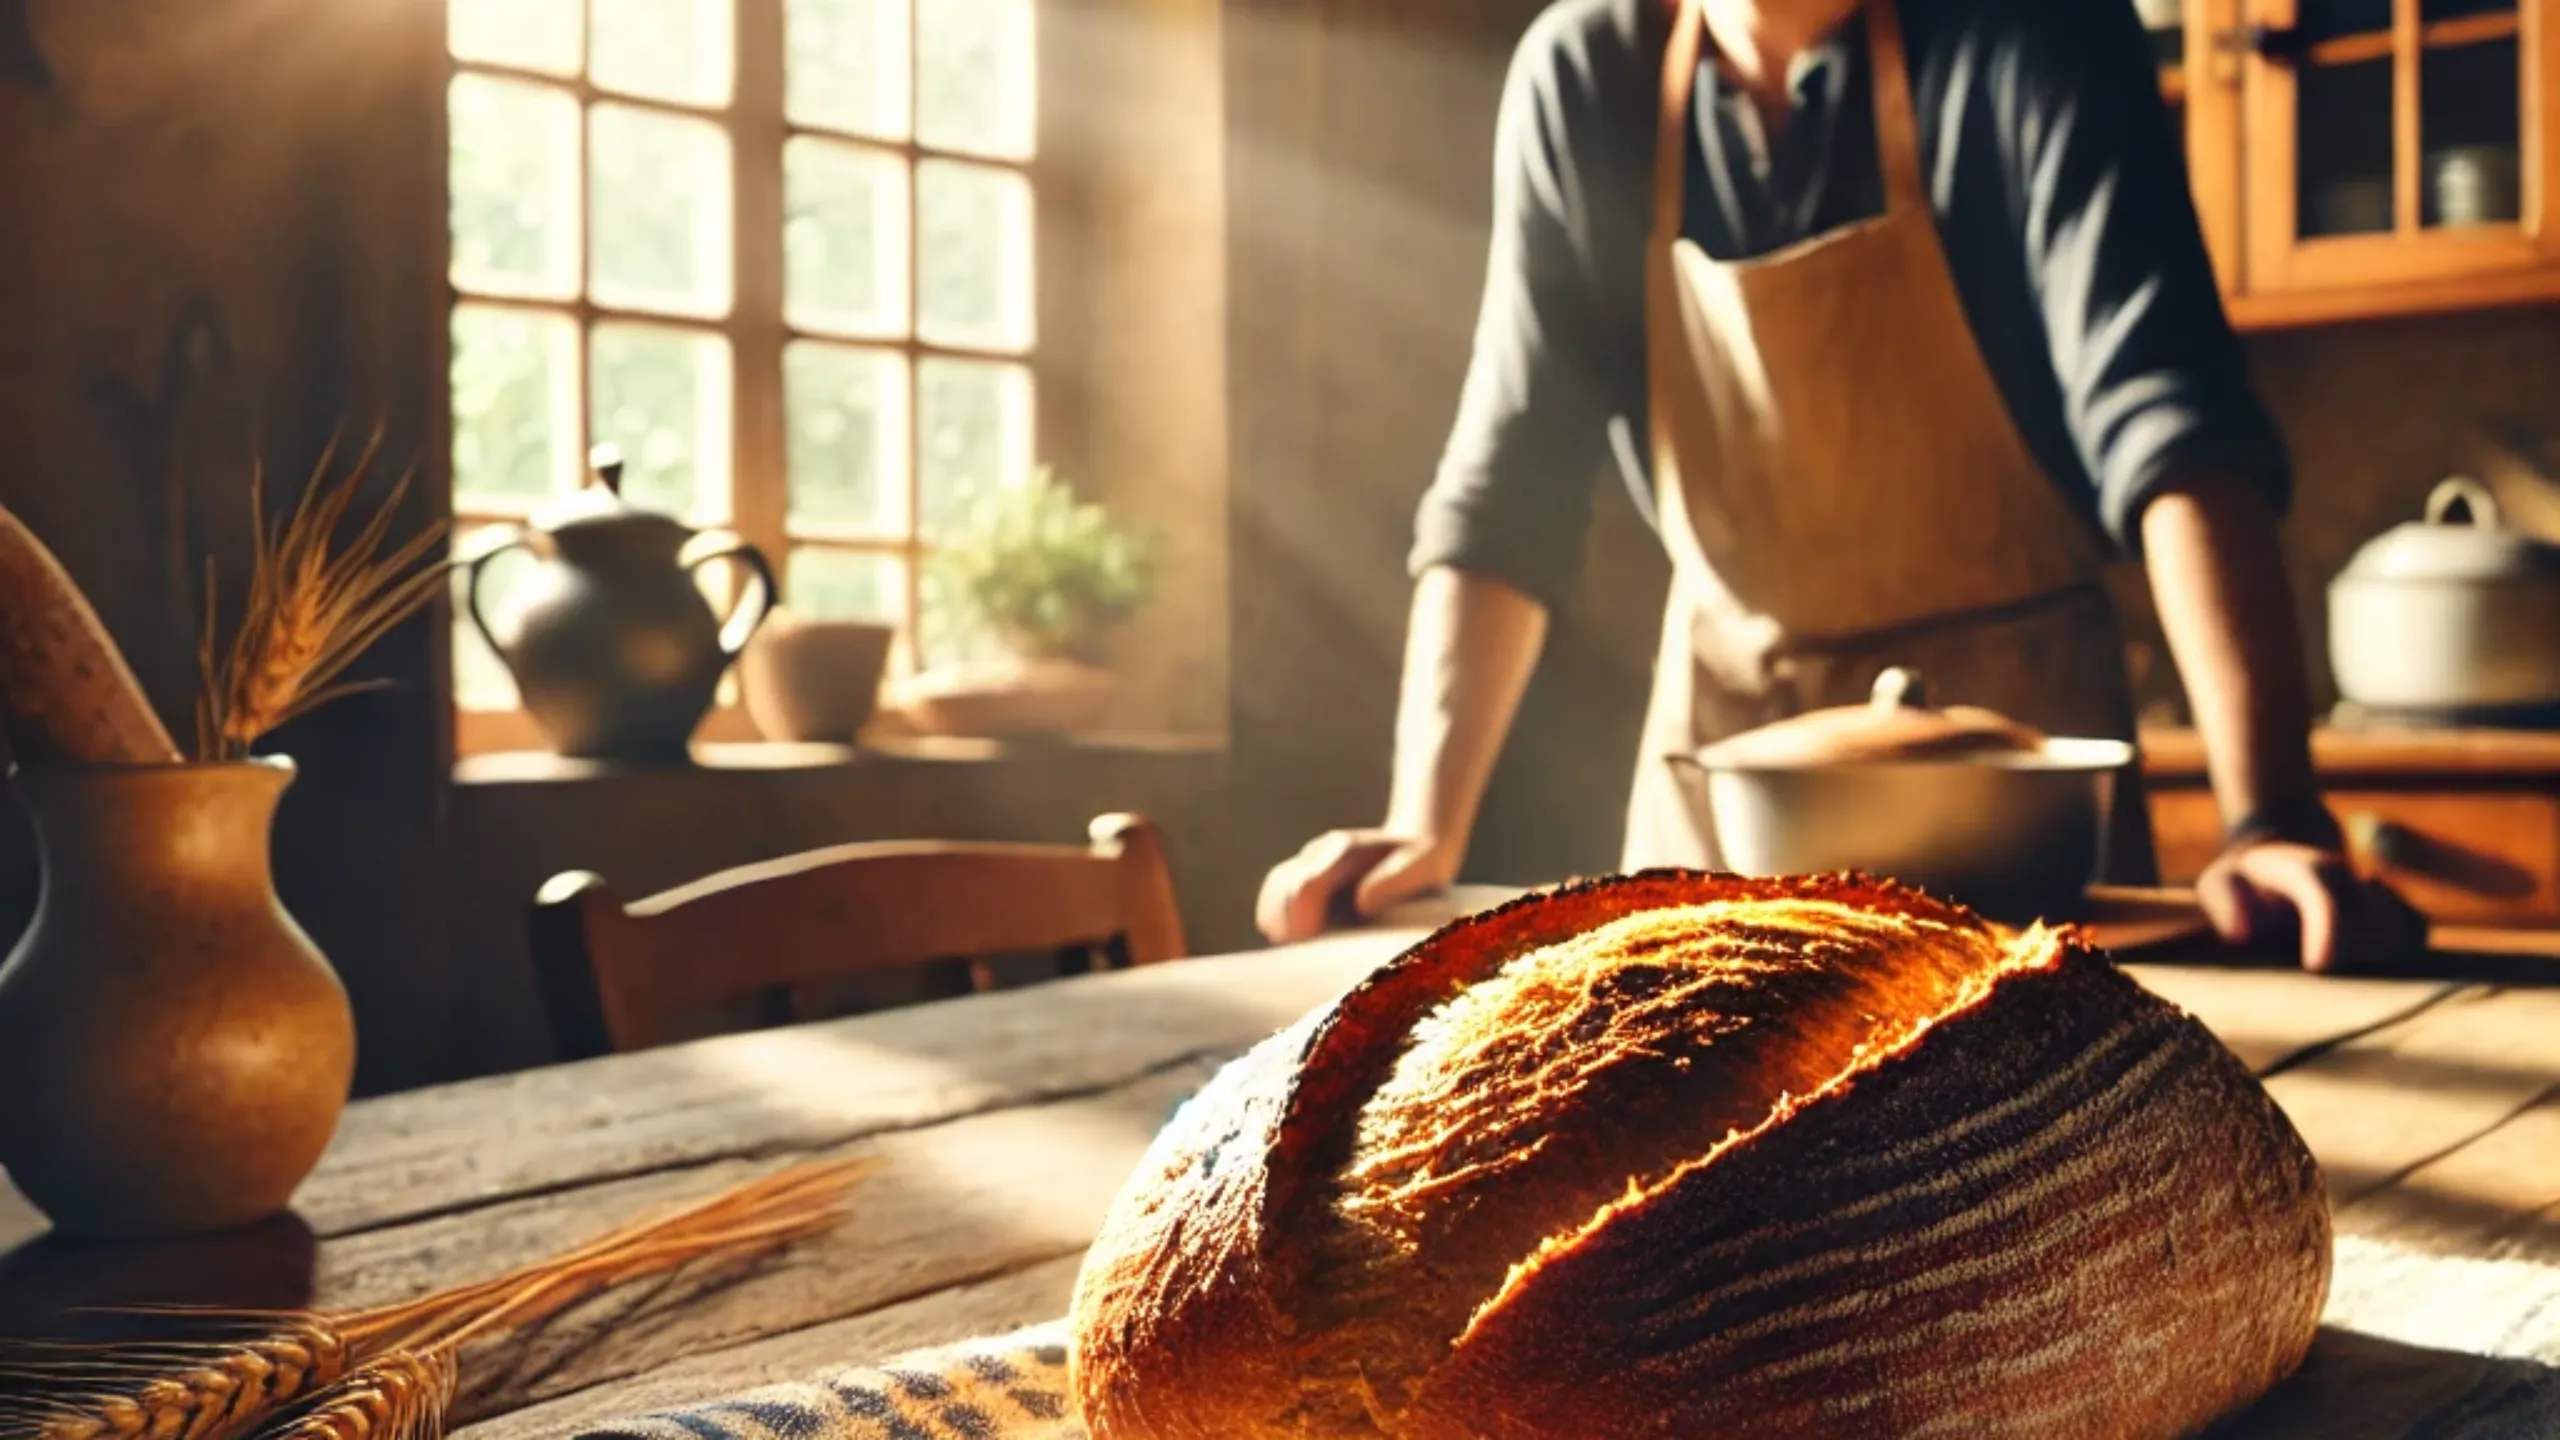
[[2259, 892]]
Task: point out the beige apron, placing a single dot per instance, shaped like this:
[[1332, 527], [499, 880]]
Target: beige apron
[[1842, 489]]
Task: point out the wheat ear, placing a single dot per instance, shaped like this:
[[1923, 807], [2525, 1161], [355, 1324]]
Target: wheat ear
[[210, 1385], [313, 605], [175, 1390], [397, 1395]]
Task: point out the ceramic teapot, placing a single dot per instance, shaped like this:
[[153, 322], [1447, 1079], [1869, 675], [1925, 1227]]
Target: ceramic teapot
[[612, 644]]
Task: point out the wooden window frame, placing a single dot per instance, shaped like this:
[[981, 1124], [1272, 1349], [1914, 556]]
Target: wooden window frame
[[756, 326]]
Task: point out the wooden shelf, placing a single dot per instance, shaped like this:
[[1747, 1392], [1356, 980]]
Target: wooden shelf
[[2471, 30], [2282, 310], [2176, 756], [2441, 35]]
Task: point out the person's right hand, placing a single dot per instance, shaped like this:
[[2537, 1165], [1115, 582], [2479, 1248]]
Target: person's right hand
[[1374, 870]]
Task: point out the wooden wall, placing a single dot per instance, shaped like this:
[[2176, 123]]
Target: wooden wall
[[1360, 143], [214, 252]]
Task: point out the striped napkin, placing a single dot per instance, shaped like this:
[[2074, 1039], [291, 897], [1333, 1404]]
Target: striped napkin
[[2418, 1347], [1005, 1387]]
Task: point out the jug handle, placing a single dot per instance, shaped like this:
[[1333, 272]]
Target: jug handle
[[517, 538], [742, 624]]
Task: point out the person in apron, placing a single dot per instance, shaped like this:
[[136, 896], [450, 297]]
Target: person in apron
[[1842, 486]]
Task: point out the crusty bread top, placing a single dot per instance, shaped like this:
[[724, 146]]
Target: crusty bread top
[[1575, 1071]]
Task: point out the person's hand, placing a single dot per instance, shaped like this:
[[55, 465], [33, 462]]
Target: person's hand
[[1374, 870], [2262, 892]]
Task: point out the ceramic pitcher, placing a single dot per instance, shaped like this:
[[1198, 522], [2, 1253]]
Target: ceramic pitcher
[[174, 1052], [614, 648]]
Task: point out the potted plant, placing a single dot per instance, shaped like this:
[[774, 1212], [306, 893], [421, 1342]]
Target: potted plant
[[1044, 576]]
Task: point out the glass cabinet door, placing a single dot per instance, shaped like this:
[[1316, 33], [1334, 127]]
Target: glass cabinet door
[[2394, 141]]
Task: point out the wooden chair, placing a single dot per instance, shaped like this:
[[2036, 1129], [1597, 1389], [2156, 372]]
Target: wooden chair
[[617, 977]]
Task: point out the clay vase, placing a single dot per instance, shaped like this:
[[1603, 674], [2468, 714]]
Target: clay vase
[[173, 1049]]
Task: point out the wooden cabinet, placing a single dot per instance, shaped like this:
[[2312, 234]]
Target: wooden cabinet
[[2356, 158], [2466, 825]]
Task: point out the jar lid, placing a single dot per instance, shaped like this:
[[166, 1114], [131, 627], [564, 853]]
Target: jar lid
[[1896, 723], [2463, 537]]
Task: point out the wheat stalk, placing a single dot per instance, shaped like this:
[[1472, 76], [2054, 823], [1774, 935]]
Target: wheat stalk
[[397, 1395], [230, 1375], [185, 1389], [313, 605]]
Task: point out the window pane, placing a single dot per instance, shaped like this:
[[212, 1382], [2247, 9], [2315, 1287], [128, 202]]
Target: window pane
[[974, 80], [528, 34], [2471, 134], [480, 678], [661, 212], [974, 244], [2433, 10], [515, 187], [2343, 161], [679, 50], [975, 434], [2329, 19], [515, 407], [847, 414], [847, 66], [845, 585], [845, 236], [662, 398]]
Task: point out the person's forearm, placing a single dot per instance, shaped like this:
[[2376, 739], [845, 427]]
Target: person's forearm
[[1469, 649], [2218, 578]]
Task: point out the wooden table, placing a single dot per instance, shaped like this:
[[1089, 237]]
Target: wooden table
[[1006, 1122]]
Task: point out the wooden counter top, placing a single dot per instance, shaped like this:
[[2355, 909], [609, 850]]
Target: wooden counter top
[[2178, 754], [1005, 1123]]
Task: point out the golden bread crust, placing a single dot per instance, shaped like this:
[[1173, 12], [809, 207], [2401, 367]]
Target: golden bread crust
[[1915, 1176]]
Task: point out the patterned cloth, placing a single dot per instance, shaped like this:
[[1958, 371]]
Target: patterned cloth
[[1009, 1387], [2418, 1347]]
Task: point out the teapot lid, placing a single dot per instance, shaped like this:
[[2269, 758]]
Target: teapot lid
[[2463, 537], [1896, 723], [599, 502]]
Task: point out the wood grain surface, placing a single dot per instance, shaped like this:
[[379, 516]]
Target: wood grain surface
[[1006, 1122]]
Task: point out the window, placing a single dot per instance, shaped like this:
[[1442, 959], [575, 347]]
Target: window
[[778, 253]]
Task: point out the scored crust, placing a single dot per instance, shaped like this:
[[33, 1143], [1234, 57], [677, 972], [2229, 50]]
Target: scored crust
[[1629, 1158]]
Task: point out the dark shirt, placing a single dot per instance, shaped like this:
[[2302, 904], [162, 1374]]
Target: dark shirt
[[2059, 189]]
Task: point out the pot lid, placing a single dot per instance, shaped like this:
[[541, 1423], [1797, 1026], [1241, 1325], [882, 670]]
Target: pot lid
[[2463, 537], [1896, 723]]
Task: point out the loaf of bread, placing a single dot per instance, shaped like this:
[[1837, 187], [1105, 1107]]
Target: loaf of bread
[[66, 693], [1689, 1155]]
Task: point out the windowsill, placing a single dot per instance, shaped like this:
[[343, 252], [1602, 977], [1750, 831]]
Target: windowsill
[[538, 767]]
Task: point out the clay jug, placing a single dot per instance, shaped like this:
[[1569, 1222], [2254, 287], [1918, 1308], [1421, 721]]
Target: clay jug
[[617, 654], [174, 1050]]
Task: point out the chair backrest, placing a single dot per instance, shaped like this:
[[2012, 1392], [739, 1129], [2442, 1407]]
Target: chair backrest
[[619, 977]]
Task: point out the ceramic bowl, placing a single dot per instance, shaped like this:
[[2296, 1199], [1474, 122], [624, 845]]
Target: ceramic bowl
[[814, 681]]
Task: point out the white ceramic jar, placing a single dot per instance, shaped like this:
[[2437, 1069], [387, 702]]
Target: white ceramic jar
[[2455, 612]]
